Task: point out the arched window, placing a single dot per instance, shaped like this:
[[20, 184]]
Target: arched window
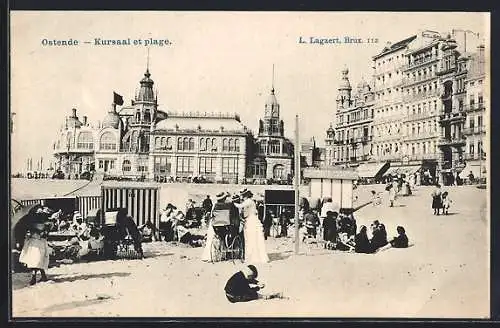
[[169, 143], [224, 145], [278, 172], [158, 142], [185, 143], [231, 145], [163, 142], [179, 143], [208, 144], [191, 143], [237, 145], [85, 140], [108, 141], [126, 166], [203, 145], [214, 144]]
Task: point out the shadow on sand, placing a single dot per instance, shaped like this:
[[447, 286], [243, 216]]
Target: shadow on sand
[[152, 254], [279, 256], [73, 305], [445, 215], [89, 276]]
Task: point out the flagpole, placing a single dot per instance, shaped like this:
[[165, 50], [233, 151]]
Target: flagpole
[[296, 183]]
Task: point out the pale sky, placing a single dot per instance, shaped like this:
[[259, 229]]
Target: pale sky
[[219, 61]]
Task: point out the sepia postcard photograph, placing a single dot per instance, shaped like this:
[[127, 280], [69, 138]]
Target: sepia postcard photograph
[[175, 164]]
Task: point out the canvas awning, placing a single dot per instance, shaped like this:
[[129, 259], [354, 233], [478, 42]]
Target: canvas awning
[[409, 170], [369, 170], [392, 171], [406, 170]]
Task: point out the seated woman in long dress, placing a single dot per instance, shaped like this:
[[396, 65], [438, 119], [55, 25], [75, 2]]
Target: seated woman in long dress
[[255, 248], [362, 243], [401, 241]]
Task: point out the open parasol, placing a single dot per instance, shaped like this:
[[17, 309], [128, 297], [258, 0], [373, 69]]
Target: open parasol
[[21, 221]]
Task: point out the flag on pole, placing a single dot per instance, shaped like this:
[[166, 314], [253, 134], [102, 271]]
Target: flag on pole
[[117, 99]]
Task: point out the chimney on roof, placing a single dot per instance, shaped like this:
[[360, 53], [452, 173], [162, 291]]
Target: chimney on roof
[[74, 112], [84, 121]]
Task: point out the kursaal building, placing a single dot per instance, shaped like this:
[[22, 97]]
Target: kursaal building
[[142, 141]]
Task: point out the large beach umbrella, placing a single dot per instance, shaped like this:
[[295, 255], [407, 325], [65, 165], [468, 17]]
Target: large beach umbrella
[[21, 221]]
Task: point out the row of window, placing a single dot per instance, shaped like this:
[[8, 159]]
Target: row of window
[[142, 166], [472, 121], [416, 59], [472, 99], [398, 59], [423, 108], [271, 147], [260, 171], [205, 144], [185, 165], [353, 133], [479, 148], [359, 115]]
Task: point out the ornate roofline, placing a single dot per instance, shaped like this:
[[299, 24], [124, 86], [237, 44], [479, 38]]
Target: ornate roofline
[[219, 115]]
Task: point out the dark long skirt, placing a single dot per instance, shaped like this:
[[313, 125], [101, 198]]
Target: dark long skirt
[[437, 202]]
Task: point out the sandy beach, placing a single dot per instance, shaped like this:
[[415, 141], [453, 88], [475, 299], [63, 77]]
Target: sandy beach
[[444, 274]]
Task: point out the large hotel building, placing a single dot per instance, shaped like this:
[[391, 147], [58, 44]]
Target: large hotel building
[[423, 113]]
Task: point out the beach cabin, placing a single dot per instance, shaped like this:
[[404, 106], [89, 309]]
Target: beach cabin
[[332, 182]]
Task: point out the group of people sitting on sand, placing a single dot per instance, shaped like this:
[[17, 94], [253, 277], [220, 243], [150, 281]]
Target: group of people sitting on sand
[[340, 230], [363, 244]]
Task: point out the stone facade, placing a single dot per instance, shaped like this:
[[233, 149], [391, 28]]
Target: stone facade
[[143, 142], [349, 142]]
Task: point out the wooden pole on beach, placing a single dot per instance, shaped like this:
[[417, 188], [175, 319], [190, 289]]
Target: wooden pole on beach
[[297, 182]]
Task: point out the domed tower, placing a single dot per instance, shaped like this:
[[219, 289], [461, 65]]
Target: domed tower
[[272, 108], [272, 147], [146, 101], [271, 123], [146, 93], [344, 94], [112, 119]]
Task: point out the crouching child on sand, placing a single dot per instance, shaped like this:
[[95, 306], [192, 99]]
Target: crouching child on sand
[[401, 241], [243, 286]]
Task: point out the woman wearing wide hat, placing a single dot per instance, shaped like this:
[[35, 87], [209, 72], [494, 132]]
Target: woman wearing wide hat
[[255, 248]]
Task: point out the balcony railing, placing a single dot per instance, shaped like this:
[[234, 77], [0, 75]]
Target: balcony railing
[[421, 95], [476, 156], [475, 130], [453, 141], [453, 116], [420, 62], [442, 69], [474, 107], [418, 79]]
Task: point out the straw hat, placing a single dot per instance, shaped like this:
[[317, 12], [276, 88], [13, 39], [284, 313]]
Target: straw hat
[[246, 193], [221, 196], [235, 197]]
